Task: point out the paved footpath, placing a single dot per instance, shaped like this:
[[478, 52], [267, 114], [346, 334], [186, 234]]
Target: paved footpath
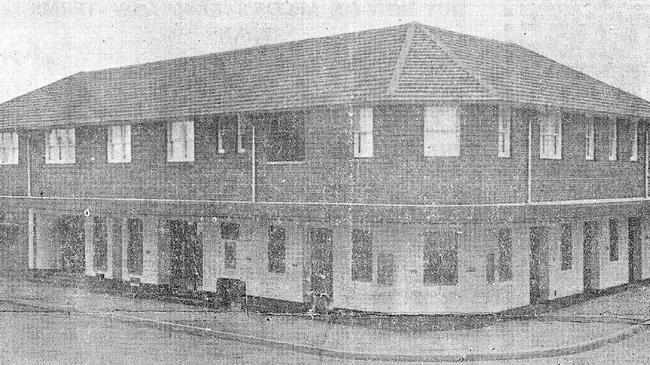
[[570, 330]]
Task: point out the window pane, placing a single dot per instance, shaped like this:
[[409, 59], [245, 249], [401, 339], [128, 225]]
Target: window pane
[[441, 132], [385, 268], [613, 240], [286, 137], [276, 249], [361, 255], [490, 269], [100, 244], [566, 247], [505, 255], [230, 254], [135, 246], [229, 231]]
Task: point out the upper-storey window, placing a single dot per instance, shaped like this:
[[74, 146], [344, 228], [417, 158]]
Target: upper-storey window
[[60, 146], [180, 141], [286, 138], [119, 143], [240, 134], [441, 131], [363, 139], [550, 135], [590, 139], [8, 148], [221, 133], [505, 122], [612, 136], [634, 154]]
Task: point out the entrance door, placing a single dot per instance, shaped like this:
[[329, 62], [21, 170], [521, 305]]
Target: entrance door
[[590, 260], [186, 256], [322, 279], [538, 265], [69, 232], [634, 239]]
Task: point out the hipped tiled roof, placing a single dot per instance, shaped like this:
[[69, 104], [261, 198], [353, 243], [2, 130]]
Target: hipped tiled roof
[[407, 63]]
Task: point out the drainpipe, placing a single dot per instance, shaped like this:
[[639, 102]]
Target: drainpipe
[[529, 197], [647, 149], [647, 145], [253, 169]]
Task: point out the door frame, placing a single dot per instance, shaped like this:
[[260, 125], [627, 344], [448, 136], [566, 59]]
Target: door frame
[[590, 251], [539, 264]]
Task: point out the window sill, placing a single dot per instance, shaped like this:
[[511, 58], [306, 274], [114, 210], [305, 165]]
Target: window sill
[[60, 162], [285, 162], [8, 163], [180, 161]]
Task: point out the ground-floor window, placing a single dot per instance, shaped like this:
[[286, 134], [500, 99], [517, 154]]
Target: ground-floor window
[[441, 258], [490, 268], [566, 247], [100, 243], [276, 249], [505, 254], [230, 235], [361, 255], [135, 246], [385, 268], [613, 240]]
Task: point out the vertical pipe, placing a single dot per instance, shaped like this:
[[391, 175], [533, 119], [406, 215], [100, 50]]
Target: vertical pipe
[[529, 198], [253, 169], [647, 148]]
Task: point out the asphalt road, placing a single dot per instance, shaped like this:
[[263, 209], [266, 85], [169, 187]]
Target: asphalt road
[[31, 336]]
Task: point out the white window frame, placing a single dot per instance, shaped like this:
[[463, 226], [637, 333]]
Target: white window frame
[[60, 146], [550, 135], [505, 126], [240, 134], [118, 144], [221, 132], [363, 132], [634, 154], [590, 139], [8, 148], [612, 138], [180, 141], [441, 131]]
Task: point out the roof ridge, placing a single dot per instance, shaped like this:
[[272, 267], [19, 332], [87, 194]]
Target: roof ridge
[[401, 58], [490, 89], [250, 48]]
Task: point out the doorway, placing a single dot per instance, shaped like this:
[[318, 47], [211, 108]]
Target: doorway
[[634, 251], [590, 257], [69, 233], [538, 264], [185, 256], [322, 278]]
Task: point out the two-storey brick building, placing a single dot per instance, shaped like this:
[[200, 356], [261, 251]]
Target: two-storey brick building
[[401, 170]]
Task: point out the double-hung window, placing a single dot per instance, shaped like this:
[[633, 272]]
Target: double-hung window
[[60, 146], [8, 148], [180, 141], [634, 154], [229, 236], [441, 131], [612, 136], [119, 143], [504, 264], [590, 139], [505, 119], [363, 139], [550, 136], [221, 133], [566, 247]]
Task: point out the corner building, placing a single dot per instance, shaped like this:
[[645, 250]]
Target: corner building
[[408, 169]]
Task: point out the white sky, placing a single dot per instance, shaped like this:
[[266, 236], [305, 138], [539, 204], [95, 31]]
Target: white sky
[[43, 41]]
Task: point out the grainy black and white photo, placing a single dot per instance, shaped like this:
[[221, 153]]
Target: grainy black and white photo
[[324, 182]]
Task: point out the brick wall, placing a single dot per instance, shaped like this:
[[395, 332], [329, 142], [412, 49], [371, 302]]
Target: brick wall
[[398, 173]]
